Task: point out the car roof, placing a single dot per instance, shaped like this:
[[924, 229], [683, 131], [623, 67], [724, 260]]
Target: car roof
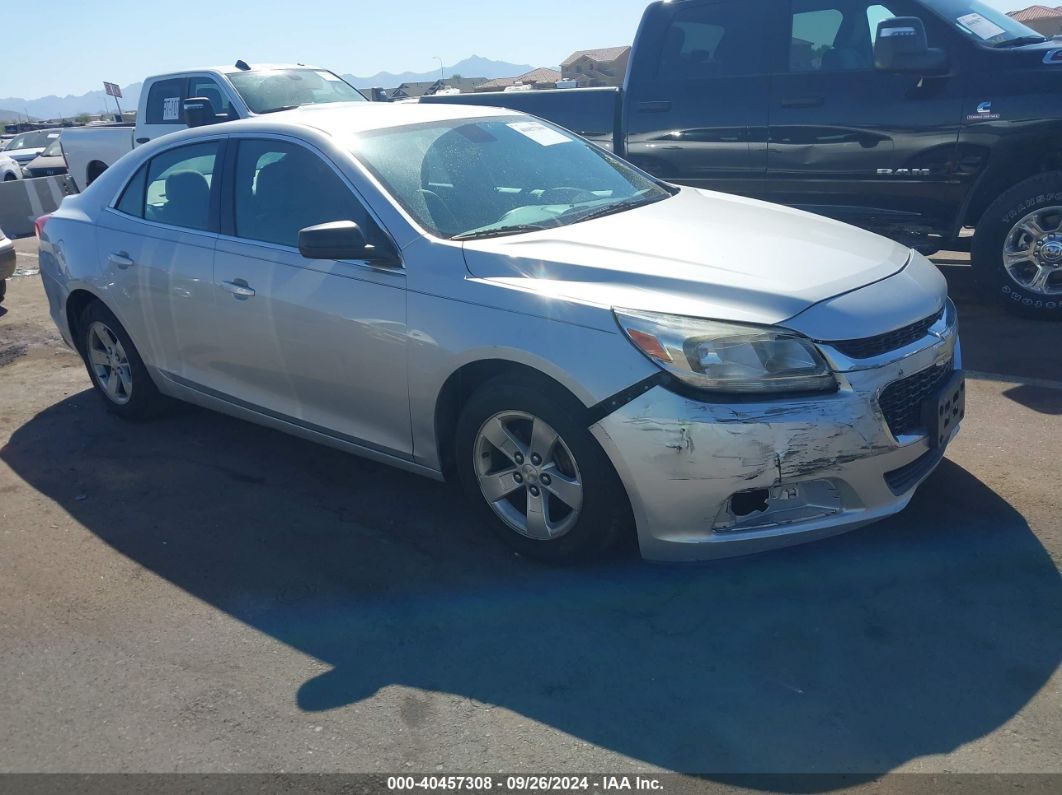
[[340, 119]]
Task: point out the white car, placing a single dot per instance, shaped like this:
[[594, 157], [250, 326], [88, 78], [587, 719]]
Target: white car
[[474, 294], [27, 145], [9, 169]]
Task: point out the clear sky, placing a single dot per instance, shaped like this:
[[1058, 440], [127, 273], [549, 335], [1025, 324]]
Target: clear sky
[[75, 45]]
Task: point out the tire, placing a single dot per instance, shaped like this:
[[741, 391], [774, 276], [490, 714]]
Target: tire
[[1017, 249], [3, 290], [9, 177], [109, 353], [524, 406]]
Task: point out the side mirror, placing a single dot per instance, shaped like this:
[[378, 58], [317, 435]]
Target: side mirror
[[902, 47], [199, 112], [340, 240]]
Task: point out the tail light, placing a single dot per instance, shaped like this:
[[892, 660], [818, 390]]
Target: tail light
[[38, 225]]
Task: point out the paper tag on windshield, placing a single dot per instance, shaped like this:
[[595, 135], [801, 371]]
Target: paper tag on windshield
[[979, 26], [539, 133], [329, 77]]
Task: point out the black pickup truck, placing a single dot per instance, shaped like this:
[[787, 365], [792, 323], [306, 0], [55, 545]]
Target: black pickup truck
[[916, 119]]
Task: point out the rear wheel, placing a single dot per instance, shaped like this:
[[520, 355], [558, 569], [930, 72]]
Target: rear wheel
[[535, 473], [114, 365], [10, 177], [1017, 250], [3, 289]]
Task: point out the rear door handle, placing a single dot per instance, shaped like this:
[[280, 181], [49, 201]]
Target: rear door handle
[[239, 289], [121, 260], [142, 140], [804, 102], [660, 106]]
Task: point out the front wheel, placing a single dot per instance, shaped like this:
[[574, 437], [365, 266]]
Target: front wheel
[[1017, 250], [536, 474]]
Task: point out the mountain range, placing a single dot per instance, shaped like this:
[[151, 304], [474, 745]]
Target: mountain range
[[54, 107]]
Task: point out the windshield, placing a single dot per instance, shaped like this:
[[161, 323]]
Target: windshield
[[279, 89], [31, 140], [984, 24], [53, 149], [469, 178]]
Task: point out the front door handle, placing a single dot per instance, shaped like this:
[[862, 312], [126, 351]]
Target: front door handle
[[121, 260], [804, 102], [660, 106], [239, 289]]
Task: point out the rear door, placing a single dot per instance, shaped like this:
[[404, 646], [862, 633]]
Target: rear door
[[698, 114], [157, 243], [868, 147], [318, 343]]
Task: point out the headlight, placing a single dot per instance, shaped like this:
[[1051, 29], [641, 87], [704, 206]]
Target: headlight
[[728, 357]]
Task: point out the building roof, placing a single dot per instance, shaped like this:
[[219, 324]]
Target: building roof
[[605, 55], [534, 76], [1036, 12]]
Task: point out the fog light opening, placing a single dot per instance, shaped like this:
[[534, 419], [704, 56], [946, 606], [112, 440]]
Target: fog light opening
[[745, 503]]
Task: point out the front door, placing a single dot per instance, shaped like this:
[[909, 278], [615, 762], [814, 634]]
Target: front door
[[319, 343], [868, 147], [700, 117]]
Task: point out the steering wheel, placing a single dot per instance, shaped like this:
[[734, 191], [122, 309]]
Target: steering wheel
[[566, 195]]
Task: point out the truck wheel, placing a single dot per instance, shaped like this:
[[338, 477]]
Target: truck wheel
[[3, 290], [114, 364], [536, 475], [1017, 249]]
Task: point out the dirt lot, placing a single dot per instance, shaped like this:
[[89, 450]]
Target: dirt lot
[[200, 594]]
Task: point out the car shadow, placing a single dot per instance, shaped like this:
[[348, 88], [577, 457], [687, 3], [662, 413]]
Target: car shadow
[[857, 654]]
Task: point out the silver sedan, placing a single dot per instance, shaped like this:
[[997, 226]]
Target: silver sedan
[[477, 295]]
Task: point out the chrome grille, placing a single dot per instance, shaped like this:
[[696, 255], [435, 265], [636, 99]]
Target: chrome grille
[[869, 347]]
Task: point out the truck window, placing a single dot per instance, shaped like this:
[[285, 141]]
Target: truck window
[[164, 102], [708, 41], [208, 87]]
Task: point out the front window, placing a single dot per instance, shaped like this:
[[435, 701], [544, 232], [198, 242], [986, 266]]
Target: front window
[[53, 149], [470, 178], [270, 90], [984, 24]]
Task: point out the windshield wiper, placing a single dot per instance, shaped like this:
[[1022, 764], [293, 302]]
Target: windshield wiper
[[612, 209], [1020, 42], [277, 110], [500, 232]]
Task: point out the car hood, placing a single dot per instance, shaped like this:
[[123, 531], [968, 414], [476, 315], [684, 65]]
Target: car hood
[[698, 253], [23, 155]]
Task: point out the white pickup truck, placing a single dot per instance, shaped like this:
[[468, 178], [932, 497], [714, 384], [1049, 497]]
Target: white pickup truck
[[167, 102]]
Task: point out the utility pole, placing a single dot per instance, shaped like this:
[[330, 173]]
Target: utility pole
[[442, 71]]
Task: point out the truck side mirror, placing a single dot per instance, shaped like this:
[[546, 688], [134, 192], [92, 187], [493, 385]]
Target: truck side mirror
[[199, 112], [902, 47]]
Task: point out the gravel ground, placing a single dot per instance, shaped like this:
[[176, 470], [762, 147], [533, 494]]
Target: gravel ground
[[201, 594]]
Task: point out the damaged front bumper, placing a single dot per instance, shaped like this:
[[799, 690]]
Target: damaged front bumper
[[709, 480]]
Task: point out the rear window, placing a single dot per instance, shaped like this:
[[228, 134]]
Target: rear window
[[164, 101]]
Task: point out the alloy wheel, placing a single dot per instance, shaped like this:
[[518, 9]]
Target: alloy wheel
[[1032, 252], [528, 475], [109, 363]]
